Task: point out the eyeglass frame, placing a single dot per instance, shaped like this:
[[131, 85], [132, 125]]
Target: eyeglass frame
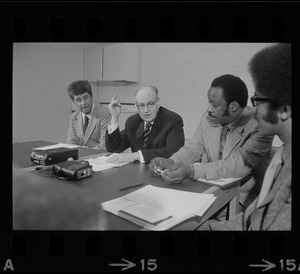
[[255, 99], [150, 105]]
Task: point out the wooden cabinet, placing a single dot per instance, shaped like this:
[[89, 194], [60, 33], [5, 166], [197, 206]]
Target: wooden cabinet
[[116, 62]]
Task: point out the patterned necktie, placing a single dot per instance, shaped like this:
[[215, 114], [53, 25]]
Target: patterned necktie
[[146, 134], [224, 132], [270, 176], [86, 122]]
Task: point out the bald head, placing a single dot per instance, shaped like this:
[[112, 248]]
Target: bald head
[[146, 100], [146, 89]]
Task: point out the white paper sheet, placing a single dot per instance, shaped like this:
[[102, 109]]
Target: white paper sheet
[[159, 208], [99, 163], [56, 146], [220, 182]]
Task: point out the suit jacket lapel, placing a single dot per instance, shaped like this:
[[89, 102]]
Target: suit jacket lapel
[[236, 135], [212, 138], [91, 125], [278, 192], [79, 124], [232, 139], [139, 133]]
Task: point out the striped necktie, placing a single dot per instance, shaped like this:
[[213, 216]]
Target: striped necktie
[[146, 134], [224, 132], [86, 122]]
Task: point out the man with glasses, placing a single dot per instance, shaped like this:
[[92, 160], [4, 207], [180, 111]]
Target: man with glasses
[[154, 132], [226, 143], [270, 69]]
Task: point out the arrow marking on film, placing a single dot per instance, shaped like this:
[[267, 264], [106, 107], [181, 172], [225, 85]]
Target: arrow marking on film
[[128, 264], [268, 266]]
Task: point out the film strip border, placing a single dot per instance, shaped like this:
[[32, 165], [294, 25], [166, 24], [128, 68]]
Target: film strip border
[[152, 21], [159, 252], [146, 251]]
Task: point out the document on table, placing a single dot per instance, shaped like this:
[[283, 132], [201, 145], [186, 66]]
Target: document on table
[[56, 146], [99, 163], [158, 208], [223, 182]]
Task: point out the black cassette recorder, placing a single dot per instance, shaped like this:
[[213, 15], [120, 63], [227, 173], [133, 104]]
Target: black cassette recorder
[[53, 156], [73, 170]]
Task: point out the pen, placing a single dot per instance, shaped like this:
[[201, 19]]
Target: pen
[[128, 187]]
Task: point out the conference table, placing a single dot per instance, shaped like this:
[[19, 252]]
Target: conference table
[[106, 185]]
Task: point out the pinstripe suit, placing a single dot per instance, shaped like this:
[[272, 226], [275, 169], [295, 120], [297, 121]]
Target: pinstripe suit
[[94, 136], [274, 213], [245, 150]]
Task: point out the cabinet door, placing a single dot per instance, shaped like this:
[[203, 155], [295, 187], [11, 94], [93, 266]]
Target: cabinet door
[[93, 63], [120, 62]]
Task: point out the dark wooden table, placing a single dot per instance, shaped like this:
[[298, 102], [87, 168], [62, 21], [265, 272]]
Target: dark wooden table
[[106, 184]]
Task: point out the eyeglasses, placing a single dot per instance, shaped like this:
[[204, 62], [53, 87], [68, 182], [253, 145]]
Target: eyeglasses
[[256, 99], [149, 105]]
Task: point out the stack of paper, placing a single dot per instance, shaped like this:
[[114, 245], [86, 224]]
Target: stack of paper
[[99, 163], [159, 208], [224, 182]]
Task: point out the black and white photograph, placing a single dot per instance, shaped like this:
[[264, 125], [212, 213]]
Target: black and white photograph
[[151, 136]]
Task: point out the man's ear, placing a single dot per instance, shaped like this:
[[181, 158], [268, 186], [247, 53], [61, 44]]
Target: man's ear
[[234, 106], [285, 112]]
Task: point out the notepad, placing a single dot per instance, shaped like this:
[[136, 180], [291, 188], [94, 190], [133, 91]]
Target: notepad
[[158, 208], [223, 182], [152, 214]]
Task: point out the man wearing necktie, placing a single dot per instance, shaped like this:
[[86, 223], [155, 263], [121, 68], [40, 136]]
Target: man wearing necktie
[[154, 131], [270, 69], [89, 122]]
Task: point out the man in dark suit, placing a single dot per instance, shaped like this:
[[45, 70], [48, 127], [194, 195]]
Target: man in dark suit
[[154, 131]]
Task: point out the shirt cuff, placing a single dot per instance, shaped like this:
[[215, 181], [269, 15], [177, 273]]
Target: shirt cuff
[[112, 128], [199, 171], [192, 176], [142, 160]]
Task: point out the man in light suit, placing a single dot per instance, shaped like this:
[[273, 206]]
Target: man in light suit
[[271, 72], [208, 156], [89, 122], [163, 138]]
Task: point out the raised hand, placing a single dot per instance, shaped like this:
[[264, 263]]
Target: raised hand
[[115, 109]]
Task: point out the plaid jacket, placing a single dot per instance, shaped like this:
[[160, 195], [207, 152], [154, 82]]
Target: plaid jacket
[[94, 136]]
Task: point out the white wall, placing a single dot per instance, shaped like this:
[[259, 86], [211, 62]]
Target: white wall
[[41, 75]]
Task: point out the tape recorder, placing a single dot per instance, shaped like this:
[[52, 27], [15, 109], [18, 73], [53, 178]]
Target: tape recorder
[[74, 170], [52, 156]]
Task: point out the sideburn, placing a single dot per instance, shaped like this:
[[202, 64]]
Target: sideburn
[[271, 116]]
